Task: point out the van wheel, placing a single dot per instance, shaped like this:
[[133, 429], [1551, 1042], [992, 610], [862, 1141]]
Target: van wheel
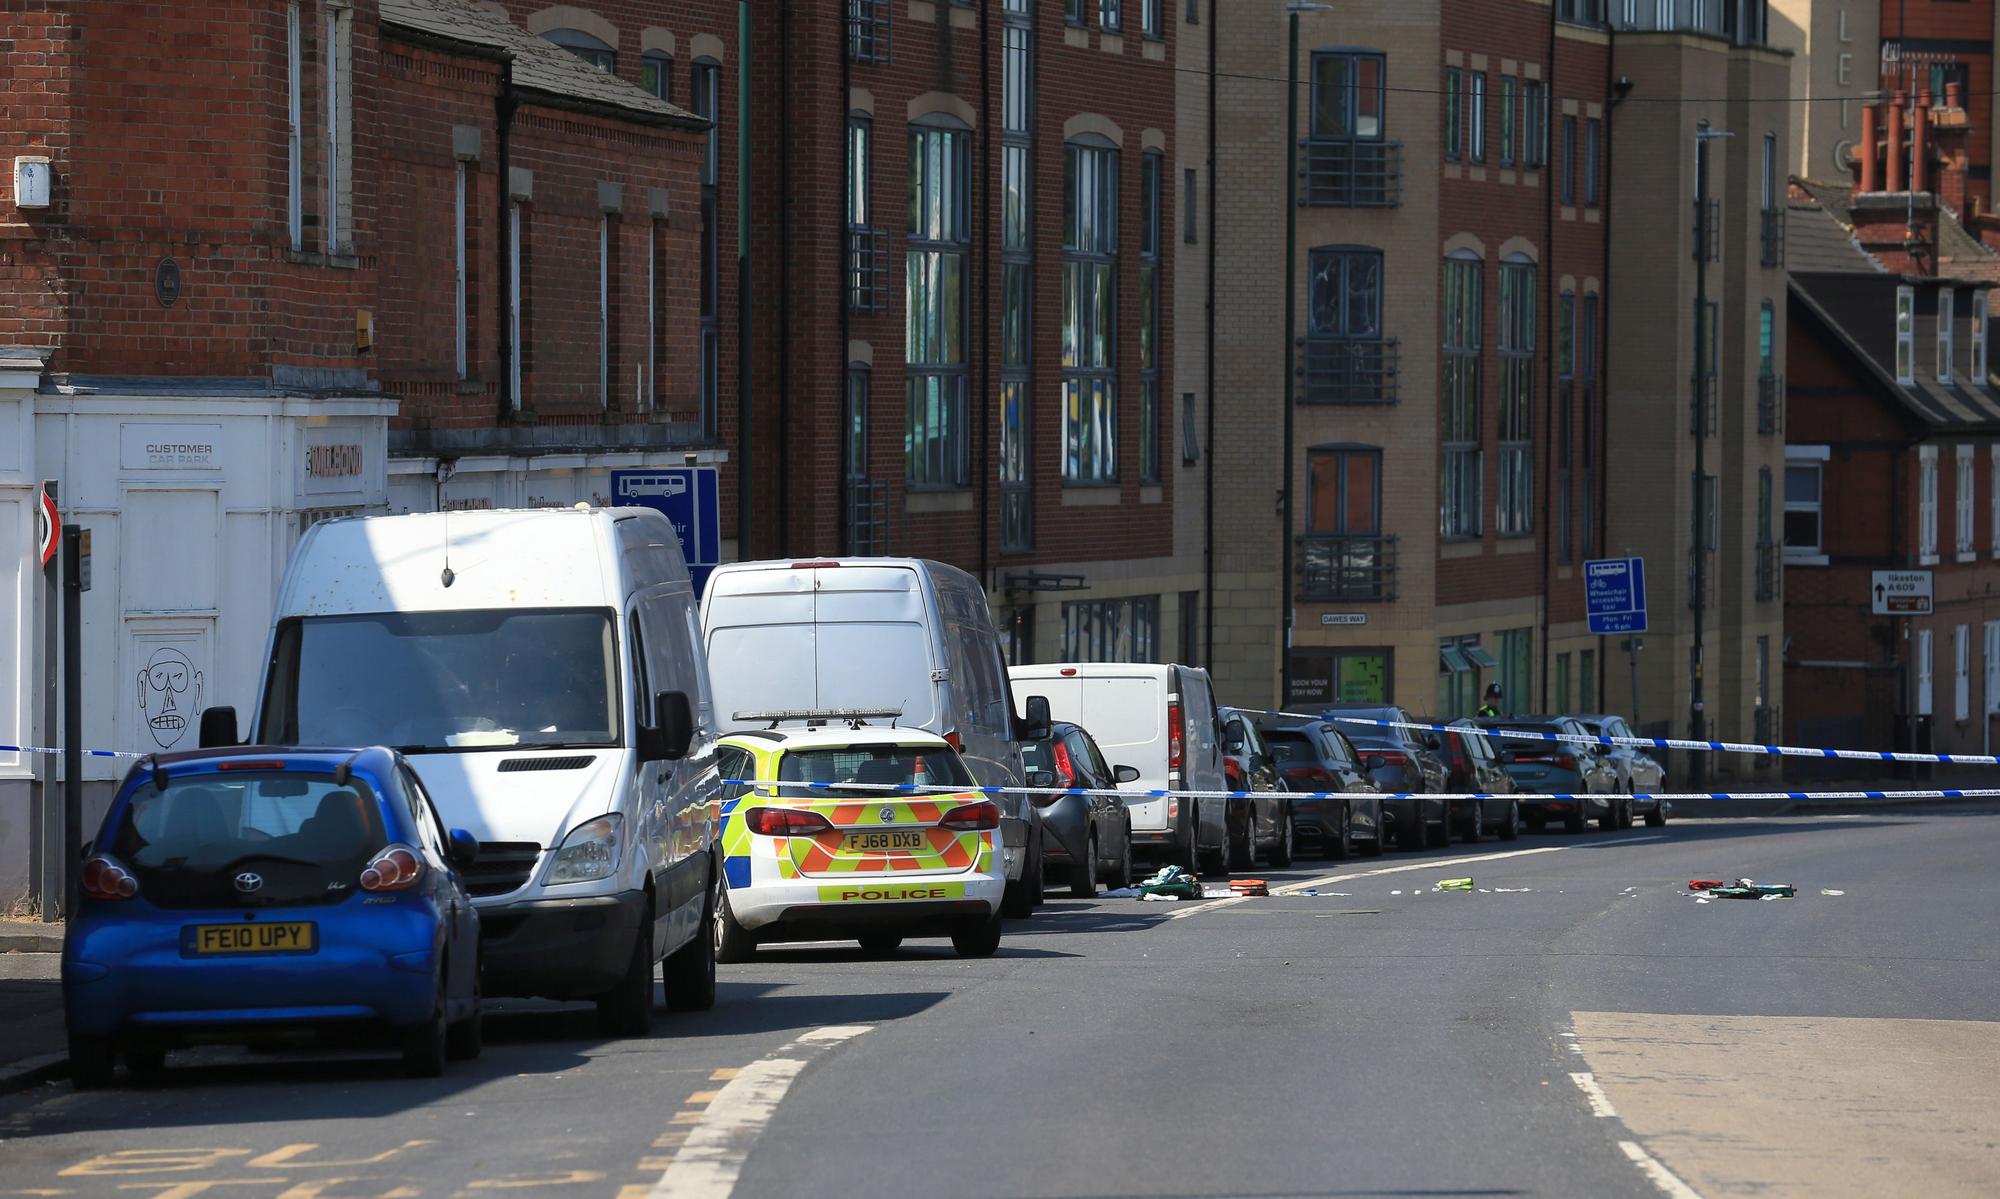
[[91, 1061], [1083, 874], [978, 937], [426, 1046], [1281, 852], [1190, 859], [1243, 849], [689, 972], [626, 1010], [733, 942]]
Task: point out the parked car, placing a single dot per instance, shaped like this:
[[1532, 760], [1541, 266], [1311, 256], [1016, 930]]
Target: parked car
[[254, 894], [543, 672], [1542, 768], [1472, 764], [880, 634], [1316, 756], [1160, 720], [1402, 762], [1265, 825], [1087, 837], [809, 859], [1639, 772]]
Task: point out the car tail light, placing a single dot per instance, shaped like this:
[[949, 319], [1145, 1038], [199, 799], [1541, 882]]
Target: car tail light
[[1389, 757], [785, 822], [1176, 737], [1566, 761], [249, 765], [813, 565], [396, 868], [972, 817], [105, 878], [1065, 769], [1232, 770], [1311, 774], [1068, 672]]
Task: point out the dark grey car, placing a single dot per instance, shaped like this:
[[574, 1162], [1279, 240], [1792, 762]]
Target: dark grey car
[[1087, 837], [1402, 762], [1316, 756]]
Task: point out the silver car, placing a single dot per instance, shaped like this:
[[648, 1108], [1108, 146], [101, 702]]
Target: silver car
[[1639, 772]]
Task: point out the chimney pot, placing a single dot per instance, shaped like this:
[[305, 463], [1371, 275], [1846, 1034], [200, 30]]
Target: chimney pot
[[1871, 163], [1954, 94], [1893, 155]]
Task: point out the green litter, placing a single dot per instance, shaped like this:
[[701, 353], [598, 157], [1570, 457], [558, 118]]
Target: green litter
[[1454, 884], [1172, 883]]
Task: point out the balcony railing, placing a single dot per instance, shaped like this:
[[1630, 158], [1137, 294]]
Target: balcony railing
[[1350, 370], [1773, 237], [1347, 567], [1770, 404], [867, 269], [868, 30], [865, 523], [1700, 578], [1707, 226], [1350, 173], [1770, 570], [1701, 408]]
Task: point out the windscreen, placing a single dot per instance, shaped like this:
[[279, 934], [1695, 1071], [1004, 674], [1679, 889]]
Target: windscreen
[[303, 838], [871, 764], [429, 682]]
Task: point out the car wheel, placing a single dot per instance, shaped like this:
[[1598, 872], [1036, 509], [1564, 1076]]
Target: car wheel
[[1123, 879], [465, 1038], [1340, 845], [426, 1046], [1475, 829], [1083, 873], [91, 1061], [146, 1063], [1410, 834], [879, 943], [626, 1010], [1440, 837], [1610, 821], [1283, 852], [689, 972], [733, 942], [1038, 889], [1657, 818], [1373, 847], [1243, 849], [1018, 901], [1576, 821], [976, 938], [1510, 828]]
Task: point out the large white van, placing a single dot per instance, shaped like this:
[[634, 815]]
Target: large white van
[[879, 634], [1161, 721], [543, 671]]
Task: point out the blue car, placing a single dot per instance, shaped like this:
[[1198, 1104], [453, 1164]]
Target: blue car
[[249, 895]]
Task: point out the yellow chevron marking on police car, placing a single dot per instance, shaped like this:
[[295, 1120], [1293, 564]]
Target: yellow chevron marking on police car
[[880, 892]]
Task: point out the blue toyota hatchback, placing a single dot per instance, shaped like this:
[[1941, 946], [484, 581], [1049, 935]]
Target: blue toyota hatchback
[[255, 894]]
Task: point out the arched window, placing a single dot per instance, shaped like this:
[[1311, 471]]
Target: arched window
[[586, 47], [656, 74]]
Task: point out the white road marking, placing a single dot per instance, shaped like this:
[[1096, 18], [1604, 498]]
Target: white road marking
[[1446, 864], [1212, 904], [709, 1162], [1600, 1103], [1663, 1178], [1635, 840]]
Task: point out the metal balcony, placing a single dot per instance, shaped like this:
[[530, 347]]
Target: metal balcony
[[1346, 567], [1707, 230], [1770, 558], [1349, 370], [1350, 173], [867, 269], [1773, 236], [1702, 406], [1770, 404]]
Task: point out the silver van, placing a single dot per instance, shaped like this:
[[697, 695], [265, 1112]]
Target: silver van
[[879, 634]]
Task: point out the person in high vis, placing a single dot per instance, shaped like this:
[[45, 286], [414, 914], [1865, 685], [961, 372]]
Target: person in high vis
[[1492, 705]]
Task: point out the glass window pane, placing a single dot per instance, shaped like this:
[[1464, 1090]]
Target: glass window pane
[[1360, 515]]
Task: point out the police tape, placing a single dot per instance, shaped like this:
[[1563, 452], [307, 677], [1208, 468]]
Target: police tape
[[770, 791], [88, 753], [1726, 747]]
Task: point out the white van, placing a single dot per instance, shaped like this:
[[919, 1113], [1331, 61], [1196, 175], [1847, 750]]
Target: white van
[[879, 634], [543, 672], [1161, 721]]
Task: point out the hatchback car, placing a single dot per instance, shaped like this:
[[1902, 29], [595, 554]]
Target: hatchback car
[[253, 894], [1541, 768], [1473, 765], [1087, 837], [1639, 773], [1402, 762], [1316, 756], [1264, 821], [816, 847]]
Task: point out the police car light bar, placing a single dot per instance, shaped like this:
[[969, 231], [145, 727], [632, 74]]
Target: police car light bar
[[851, 715]]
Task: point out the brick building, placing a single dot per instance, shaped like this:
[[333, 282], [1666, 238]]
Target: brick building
[[261, 277]]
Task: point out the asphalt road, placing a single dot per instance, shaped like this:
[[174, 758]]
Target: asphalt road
[[1577, 1025]]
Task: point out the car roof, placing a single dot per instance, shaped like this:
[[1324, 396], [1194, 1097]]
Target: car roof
[[836, 736]]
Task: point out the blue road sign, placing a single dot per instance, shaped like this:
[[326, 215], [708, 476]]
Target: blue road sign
[[686, 495], [1614, 592]]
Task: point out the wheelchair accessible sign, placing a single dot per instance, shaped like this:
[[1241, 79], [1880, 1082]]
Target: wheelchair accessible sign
[[687, 497], [1614, 592]]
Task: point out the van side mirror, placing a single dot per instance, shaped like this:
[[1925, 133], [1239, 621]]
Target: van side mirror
[[673, 728], [463, 848], [1041, 778], [1035, 724], [1127, 774], [218, 728]]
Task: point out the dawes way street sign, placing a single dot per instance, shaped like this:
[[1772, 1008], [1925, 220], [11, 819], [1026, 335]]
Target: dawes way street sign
[[1900, 593], [1614, 591]]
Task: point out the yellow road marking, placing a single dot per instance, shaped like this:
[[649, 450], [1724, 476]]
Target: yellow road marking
[[725, 1074], [687, 1117], [702, 1097]]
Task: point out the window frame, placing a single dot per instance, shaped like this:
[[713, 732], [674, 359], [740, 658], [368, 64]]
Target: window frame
[[1963, 499], [1816, 553], [1454, 113], [1092, 175], [1339, 458], [662, 65], [1593, 164], [1515, 507], [588, 47], [1353, 87], [1462, 476], [1947, 339], [1927, 504], [1476, 118], [940, 229], [1906, 335], [1961, 653]]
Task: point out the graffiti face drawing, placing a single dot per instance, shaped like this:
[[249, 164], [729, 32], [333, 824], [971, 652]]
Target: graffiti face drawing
[[169, 695]]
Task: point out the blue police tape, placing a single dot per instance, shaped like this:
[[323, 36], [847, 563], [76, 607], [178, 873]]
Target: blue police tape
[[769, 788], [88, 753], [1726, 747]]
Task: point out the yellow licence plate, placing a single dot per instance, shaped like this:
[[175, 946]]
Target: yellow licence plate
[[209, 940], [896, 842]]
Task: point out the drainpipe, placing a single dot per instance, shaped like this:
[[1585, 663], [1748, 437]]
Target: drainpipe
[[1552, 289], [784, 433], [984, 215], [1208, 384], [1599, 450], [503, 119], [849, 470], [743, 484]]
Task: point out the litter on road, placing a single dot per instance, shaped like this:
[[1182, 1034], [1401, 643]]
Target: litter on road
[[1172, 882], [1454, 884], [1825, 891]]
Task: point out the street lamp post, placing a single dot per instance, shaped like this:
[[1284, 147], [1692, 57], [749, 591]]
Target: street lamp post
[[1286, 610], [1703, 516]]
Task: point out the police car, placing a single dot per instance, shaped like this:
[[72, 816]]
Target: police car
[[807, 856]]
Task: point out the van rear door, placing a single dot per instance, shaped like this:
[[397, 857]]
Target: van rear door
[[1127, 715], [875, 646]]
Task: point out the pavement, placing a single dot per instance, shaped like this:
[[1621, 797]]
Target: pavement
[[1578, 1024]]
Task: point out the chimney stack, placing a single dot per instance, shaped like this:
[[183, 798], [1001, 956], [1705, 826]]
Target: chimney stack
[[1894, 153]]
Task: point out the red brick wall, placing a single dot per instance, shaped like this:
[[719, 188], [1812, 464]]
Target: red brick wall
[[1969, 23]]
